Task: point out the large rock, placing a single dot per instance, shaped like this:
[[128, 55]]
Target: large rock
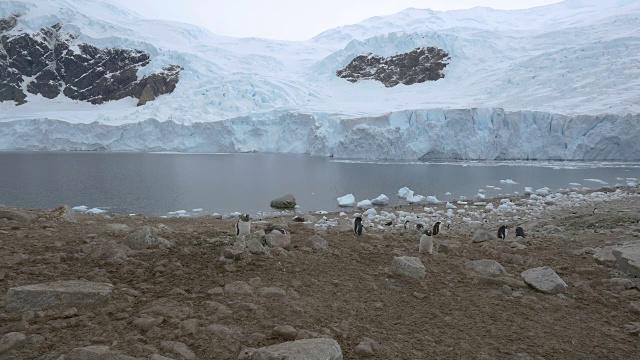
[[276, 239], [178, 348], [142, 238], [628, 258], [12, 341], [316, 242], [486, 267], [409, 266], [544, 279], [64, 213], [482, 236], [307, 349], [96, 353], [17, 215], [284, 202], [62, 294]]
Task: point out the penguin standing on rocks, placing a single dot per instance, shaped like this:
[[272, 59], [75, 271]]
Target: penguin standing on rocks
[[277, 228], [502, 232], [436, 228], [357, 226], [419, 226], [426, 243], [243, 226], [520, 232]]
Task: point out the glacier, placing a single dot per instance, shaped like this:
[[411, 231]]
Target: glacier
[[429, 134], [558, 82]]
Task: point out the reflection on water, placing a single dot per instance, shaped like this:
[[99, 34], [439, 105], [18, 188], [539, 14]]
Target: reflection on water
[[156, 184]]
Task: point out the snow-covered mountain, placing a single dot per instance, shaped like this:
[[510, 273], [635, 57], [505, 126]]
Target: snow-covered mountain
[[575, 61]]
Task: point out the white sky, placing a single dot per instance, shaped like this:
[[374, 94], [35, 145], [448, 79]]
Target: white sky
[[294, 19]]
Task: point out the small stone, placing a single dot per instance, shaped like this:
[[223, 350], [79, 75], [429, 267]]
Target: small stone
[[307, 349], [63, 294], [116, 228], [190, 326], [159, 357], [486, 267], [409, 266], [177, 291], [238, 288], [482, 236], [272, 292], [365, 348], [147, 323], [178, 348], [544, 279], [143, 238], [276, 239], [96, 353], [317, 243], [419, 295], [286, 332], [216, 291]]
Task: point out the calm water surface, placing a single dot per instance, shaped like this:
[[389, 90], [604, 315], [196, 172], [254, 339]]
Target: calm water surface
[[156, 184]]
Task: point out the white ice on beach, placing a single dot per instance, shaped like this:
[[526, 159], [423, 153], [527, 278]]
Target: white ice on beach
[[432, 200], [450, 206], [347, 200], [415, 199], [404, 192]]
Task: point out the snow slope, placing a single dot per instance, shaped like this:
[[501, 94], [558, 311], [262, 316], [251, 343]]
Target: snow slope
[[578, 57]]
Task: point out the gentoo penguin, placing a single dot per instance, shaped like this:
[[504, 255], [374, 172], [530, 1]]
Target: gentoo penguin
[[389, 223], [502, 232], [298, 219], [520, 232], [419, 226], [276, 228], [357, 225], [406, 223], [426, 243], [594, 211], [436, 228], [243, 226]]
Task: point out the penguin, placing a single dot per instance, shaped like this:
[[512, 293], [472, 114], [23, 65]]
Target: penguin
[[520, 232], [436, 228], [502, 232], [405, 224], [298, 219], [426, 243], [595, 210], [388, 223], [419, 226], [357, 226], [276, 228], [243, 226]]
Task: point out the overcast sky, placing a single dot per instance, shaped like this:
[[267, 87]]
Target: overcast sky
[[294, 19]]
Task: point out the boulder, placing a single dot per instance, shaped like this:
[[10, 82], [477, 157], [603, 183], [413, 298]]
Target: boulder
[[408, 266], [284, 202], [17, 215], [277, 239], [544, 279], [64, 213], [316, 242], [178, 348], [58, 294], [117, 228], [143, 238], [486, 267], [306, 349], [238, 288], [12, 341], [482, 236], [628, 258]]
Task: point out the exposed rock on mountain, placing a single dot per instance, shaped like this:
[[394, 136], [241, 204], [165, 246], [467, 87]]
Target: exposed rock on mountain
[[54, 63], [417, 66]]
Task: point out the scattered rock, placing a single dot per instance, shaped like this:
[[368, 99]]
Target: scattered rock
[[178, 348], [628, 258], [277, 239], [143, 238], [64, 213], [147, 323], [307, 349], [482, 236], [116, 228], [17, 215], [159, 357], [67, 294], [486, 267], [284, 202], [272, 292], [365, 348], [96, 353], [238, 288], [409, 266], [544, 279], [317, 243]]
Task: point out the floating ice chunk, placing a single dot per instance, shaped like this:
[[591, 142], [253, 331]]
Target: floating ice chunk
[[347, 200], [432, 200], [482, 190], [198, 210], [488, 186], [543, 191], [380, 200], [480, 196], [508, 181], [371, 211], [235, 214], [96, 211], [480, 203], [81, 208], [497, 188], [447, 193], [597, 181], [321, 212], [575, 184], [404, 192], [364, 204], [415, 199]]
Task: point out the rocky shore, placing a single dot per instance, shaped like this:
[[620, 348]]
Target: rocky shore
[[81, 286]]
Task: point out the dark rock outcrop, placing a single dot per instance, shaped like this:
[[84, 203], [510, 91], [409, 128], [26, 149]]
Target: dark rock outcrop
[[417, 66], [57, 64]]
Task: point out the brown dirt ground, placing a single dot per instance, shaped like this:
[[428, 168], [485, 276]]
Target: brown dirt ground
[[347, 293]]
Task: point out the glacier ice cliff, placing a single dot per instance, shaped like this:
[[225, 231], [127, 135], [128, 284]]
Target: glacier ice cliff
[[482, 134]]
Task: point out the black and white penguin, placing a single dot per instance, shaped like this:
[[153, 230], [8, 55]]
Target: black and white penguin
[[243, 226], [502, 232], [595, 210], [357, 225], [406, 223], [520, 232], [388, 223], [419, 226], [276, 228], [426, 243], [298, 219], [436, 228]]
